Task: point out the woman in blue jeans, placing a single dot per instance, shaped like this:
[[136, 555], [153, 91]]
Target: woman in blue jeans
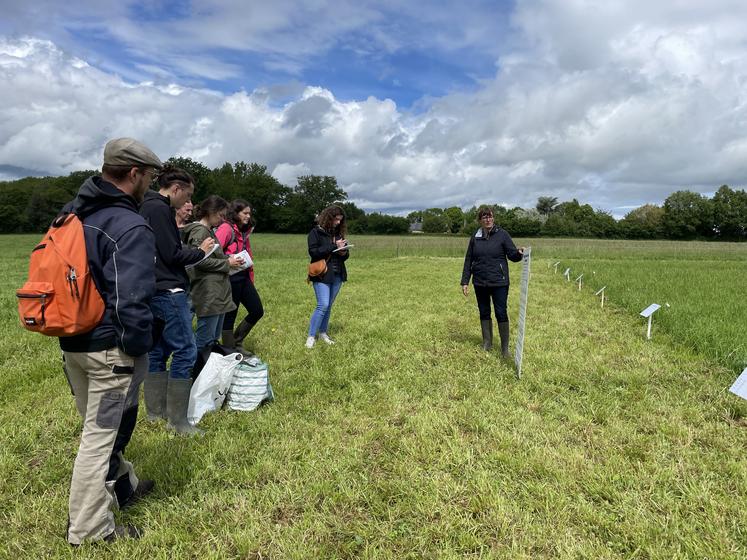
[[327, 241]]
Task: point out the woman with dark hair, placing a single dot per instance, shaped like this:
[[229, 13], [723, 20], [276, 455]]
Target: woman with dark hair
[[211, 290], [233, 236], [486, 262], [327, 242]]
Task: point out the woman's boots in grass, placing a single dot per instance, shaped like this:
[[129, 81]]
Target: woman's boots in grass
[[487, 337], [503, 332], [227, 339], [241, 333], [487, 334]]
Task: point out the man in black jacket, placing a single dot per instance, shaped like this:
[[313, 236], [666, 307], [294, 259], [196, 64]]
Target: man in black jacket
[[167, 392], [106, 365]]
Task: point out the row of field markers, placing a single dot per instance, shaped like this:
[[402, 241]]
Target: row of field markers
[[739, 387], [647, 313]]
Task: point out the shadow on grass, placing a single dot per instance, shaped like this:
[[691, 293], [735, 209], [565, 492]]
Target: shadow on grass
[[172, 461], [468, 337]]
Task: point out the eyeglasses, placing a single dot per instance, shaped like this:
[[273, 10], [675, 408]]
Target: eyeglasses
[[486, 217], [152, 172]]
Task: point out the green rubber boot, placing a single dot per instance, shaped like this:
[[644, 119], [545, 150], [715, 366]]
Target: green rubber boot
[[154, 389], [177, 401], [487, 334]]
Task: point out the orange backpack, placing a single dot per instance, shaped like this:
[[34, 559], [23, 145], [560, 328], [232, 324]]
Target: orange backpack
[[60, 298]]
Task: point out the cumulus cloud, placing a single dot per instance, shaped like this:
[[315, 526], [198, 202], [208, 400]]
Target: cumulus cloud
[[616, 105]]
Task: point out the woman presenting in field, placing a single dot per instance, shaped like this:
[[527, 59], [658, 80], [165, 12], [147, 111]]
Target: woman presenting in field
[[327, 243], [486, 262]]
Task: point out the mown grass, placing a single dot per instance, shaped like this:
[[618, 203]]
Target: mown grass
[[703, 283], [405, 440]]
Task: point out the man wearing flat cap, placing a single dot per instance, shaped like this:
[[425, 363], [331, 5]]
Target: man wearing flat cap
[[106, 365]]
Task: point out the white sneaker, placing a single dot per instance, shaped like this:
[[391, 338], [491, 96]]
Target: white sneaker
[[310, 342], [325, 337]]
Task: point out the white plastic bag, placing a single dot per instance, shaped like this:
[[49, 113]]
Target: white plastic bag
[[210, 388]]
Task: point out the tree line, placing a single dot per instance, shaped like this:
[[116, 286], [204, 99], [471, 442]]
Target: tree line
[[684, 215], [29, 205]]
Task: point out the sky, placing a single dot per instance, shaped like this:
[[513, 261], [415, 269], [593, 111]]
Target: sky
[[409, 104]]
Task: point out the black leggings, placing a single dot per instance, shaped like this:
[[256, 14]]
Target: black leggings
[[244, 293], [499, 295]]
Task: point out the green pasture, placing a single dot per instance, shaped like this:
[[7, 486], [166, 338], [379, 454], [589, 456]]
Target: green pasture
[[405, 440]]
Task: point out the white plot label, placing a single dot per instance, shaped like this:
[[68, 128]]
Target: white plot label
[[649, 312], [519, 351], [739, 387], [601, 292]]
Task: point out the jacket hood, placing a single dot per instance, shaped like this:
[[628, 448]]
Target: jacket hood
[[192, 226], [479, 233], [152, 197], [96, 193]]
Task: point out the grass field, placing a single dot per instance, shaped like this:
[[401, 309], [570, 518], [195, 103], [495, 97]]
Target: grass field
[[405, 440]]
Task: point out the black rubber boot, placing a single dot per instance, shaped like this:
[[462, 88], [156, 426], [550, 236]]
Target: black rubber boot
[[144, 487], [154, 390], [227, 339], [503, 331], [177, 401], [241, 333], [487, 334], [123, 532]]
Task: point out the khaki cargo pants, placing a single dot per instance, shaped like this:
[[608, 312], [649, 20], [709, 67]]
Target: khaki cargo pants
[[106, 386]]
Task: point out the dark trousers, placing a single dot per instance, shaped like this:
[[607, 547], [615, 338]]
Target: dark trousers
[[244, 293], [499, 295]]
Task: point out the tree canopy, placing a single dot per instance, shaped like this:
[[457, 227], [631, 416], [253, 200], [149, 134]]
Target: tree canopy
[[30, 204]]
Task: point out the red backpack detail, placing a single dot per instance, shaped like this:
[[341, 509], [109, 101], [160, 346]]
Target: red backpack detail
[[60, 298]]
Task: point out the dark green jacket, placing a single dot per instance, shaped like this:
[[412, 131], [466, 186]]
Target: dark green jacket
[[210, 286]]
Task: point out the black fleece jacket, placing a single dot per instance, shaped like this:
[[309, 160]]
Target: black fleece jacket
[[486, 258], [171, 256], [321, 245], [120, 249]]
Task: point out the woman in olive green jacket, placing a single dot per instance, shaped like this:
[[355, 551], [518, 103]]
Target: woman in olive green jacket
[[210, 286]]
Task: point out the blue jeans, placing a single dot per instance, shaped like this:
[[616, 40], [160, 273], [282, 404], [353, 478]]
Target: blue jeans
[[177, 338], [209, 330], [325, 297]]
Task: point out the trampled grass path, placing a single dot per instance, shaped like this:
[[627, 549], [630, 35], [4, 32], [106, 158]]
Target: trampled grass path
[[405, 440]]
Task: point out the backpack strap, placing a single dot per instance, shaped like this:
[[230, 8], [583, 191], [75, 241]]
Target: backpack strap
[[232, 240]]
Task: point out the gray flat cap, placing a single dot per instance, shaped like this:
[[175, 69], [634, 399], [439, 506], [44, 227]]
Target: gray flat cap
[[128, 151]]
